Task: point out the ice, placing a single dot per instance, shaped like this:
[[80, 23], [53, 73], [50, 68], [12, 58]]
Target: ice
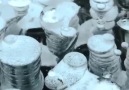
[[19, 50], [101, 43], [90, 82], [125, 45], [68, 32], [50, 17], [2, 23], [105, 85], [32, 19], [19, 3], [47, 58], [124, 23], [52, 3], [67, 10]]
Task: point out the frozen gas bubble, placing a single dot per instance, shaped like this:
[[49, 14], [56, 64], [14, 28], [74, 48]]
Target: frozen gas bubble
[[23, 51], [75, 59], [68, 31], [19, 3], [11, 39], [108, 37], [117, 52], [52, 82], [51, 73], [50, 21], [101, 43], [125, 45], [67, 9]]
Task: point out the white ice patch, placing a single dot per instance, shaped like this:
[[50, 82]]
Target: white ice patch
[[101, 43], [19, 3], [105, 85], [50, 17], [19, 50]]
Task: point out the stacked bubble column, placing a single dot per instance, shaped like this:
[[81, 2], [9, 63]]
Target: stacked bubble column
[[59, 38], [104, 59], [20, 63], [126, 63], [2, 32]]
